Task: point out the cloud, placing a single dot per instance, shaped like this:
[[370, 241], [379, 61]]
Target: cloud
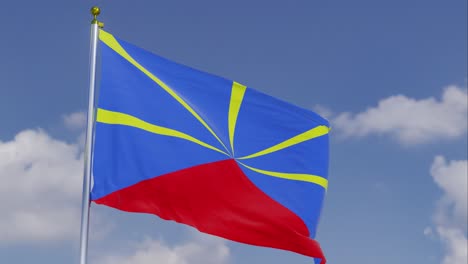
[[41, 188], [75, 121], [450, 216], [323, 111], [202, 249], [452, 177], [410, 120], [456, 245]]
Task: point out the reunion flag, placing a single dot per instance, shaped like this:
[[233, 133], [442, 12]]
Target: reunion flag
[[208, 152]]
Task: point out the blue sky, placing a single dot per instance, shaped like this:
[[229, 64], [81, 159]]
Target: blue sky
[[390, 75]]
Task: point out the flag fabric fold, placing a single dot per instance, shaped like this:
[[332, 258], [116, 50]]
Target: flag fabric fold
[[207, 152]]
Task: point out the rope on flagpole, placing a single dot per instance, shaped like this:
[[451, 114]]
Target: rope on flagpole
[[88, 154]]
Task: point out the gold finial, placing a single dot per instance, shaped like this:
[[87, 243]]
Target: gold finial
[[95, 11]]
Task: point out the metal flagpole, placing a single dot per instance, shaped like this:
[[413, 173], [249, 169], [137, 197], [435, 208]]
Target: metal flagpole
[[88, 159]]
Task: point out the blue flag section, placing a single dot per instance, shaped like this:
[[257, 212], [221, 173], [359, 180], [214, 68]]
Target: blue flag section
[[207, 152]]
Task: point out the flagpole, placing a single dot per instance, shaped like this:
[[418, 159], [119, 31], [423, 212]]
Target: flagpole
[[85, 207]]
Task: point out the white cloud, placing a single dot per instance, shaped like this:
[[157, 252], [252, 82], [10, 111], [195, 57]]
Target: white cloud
[[451, 212], [456, 245], [75, 121], [40, 188], [452, 178], [203, 249], [410, 120], [428, 232], [323, 111]]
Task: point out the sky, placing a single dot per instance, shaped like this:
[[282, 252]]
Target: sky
[[391, 76]]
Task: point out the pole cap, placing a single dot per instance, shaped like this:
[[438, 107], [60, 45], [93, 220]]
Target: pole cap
[[95, 11]]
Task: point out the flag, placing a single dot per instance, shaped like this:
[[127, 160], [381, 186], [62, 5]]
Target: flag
[[207, 152]]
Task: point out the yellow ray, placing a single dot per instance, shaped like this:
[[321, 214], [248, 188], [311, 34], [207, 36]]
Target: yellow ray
[[293, 176], [116, 118], [237, 95], [310, 134], [110, 41]]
